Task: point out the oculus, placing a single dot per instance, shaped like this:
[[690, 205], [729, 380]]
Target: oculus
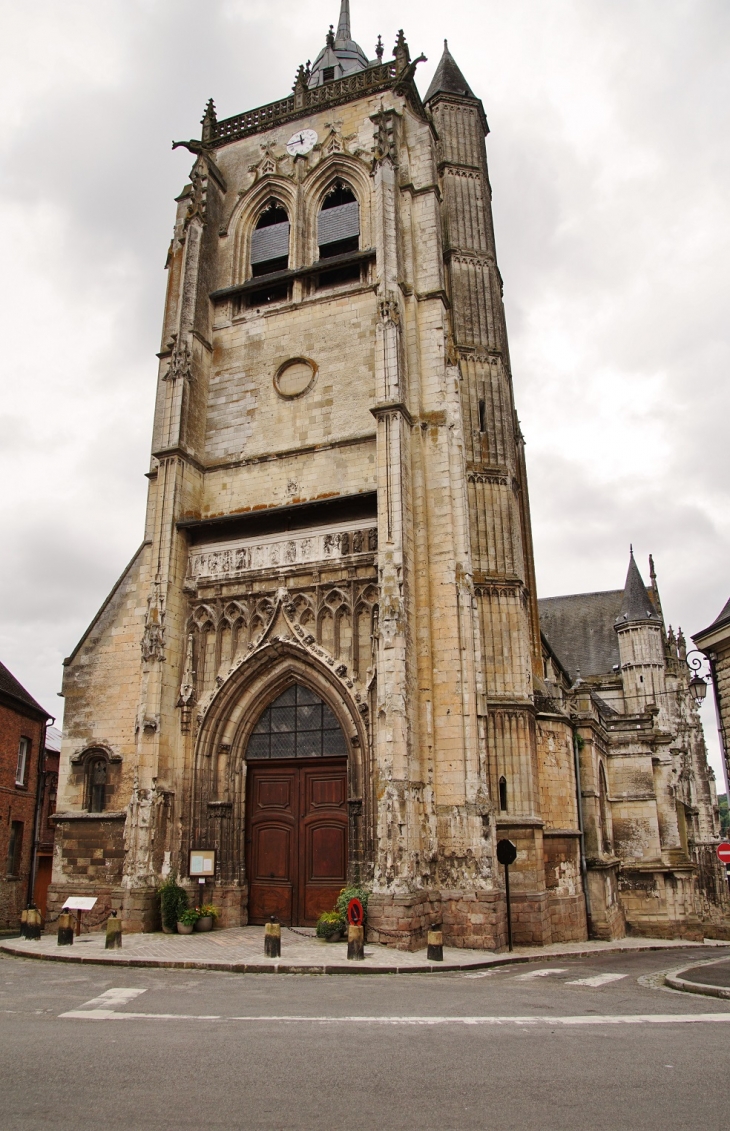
[[295, 377]]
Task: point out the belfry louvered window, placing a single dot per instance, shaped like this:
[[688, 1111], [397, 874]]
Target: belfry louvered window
[[270, 241], [338, 223]]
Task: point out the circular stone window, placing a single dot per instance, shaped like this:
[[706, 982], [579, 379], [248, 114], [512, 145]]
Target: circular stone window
[[295, 377]]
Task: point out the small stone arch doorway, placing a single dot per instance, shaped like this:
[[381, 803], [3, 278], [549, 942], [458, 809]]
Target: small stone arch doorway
[[296, 809]]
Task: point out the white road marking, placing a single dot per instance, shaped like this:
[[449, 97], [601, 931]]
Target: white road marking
[[540, 973], [593, 1019], [481, 974], [105, 1003], [598, 980]]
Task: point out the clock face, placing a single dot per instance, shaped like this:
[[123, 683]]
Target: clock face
[[302, 142]]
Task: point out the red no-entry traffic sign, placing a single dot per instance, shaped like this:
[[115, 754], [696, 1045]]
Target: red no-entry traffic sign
[[723, 852]]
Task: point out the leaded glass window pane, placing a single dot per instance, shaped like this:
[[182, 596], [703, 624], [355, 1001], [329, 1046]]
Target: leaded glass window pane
[[297, 725]]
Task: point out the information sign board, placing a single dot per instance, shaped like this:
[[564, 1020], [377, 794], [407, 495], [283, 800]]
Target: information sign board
[[79, 903], [202, 862]]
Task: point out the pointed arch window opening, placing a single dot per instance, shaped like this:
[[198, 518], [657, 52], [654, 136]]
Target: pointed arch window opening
[[97, 784], [503, 794], [338, 223], [270, 241], [298, 724]]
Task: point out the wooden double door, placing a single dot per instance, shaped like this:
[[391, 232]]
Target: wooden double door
[[296, 838]]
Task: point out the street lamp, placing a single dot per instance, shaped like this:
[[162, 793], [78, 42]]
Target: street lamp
[[698, 684]]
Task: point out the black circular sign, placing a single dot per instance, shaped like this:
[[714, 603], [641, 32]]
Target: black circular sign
[[506, 852]]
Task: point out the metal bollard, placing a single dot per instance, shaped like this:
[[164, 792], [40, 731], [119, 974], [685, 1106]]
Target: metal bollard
[[24, 923], [33, 924], [113, 932], [272, 938], [65, 929], [355, 943], [435, 949]]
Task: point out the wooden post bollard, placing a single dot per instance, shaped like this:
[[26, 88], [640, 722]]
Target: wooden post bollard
[[113, 932], [272, 938], [355, 943], [65, 929], [33, 924], [435, 949], [24, 923]]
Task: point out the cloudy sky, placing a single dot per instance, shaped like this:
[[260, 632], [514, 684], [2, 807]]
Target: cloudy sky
[[611, 174]]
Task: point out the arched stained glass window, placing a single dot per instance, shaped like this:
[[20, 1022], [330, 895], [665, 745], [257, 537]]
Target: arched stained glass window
[[297, 725]]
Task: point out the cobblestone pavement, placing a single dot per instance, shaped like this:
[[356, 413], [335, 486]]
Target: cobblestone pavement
[[241, 949]]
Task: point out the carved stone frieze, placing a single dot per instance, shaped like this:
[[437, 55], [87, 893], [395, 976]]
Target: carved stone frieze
[[276, 551]]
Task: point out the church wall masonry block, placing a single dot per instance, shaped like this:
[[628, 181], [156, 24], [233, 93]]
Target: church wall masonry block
[[325, 660]]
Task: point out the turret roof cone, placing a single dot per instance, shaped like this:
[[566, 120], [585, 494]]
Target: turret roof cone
[[636, 604], [448, 78]]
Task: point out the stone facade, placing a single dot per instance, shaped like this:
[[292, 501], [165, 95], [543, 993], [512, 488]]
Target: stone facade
[[715, 643], [338, 502], [620, 680]]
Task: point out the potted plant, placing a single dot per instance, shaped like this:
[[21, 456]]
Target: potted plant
[[173, 901], [207, 915], [330, 926], [188, 919]]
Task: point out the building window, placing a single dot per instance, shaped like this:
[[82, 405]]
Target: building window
[[22, 767], [97, 784], [603, 805], [503, 794], [297, 725], [52, 797], [328, 74], [482, 416], [15, 849], [338, 233]]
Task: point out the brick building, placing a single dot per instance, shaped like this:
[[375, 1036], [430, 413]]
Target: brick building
[[324, 659], [22, 738]]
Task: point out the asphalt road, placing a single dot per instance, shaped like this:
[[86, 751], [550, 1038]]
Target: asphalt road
[[716, 975], [208, 1050]]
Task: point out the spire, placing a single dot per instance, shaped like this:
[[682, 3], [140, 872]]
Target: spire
[[448, 78], [343, 27], [636, 605], [340, 55]]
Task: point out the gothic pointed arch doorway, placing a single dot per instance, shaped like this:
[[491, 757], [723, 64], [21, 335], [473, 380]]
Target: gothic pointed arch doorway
[[296, 809]]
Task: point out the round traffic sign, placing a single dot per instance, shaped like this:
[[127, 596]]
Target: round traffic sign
[[355, 913], [723, 852]]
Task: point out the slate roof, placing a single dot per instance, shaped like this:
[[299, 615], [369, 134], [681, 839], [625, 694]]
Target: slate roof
[[579, 628], [11, 689], [53, 739], [722, 617], [448, 78]]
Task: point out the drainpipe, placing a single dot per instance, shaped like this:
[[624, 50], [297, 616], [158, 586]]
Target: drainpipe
[[39, 791], [583, 865]]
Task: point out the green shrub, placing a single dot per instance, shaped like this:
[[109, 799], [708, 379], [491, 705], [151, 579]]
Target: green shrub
[[330, 923], [189, 916], [173, 901], [346, 895]]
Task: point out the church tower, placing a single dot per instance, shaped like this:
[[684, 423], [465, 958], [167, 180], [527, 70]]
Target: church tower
[[320, 663]]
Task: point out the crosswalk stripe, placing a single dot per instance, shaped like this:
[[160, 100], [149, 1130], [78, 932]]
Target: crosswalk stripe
[[597, 980], [525, 1022]]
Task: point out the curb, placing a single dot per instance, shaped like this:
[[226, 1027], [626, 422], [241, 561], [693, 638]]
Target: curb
[[706, 989], [349, 968]]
